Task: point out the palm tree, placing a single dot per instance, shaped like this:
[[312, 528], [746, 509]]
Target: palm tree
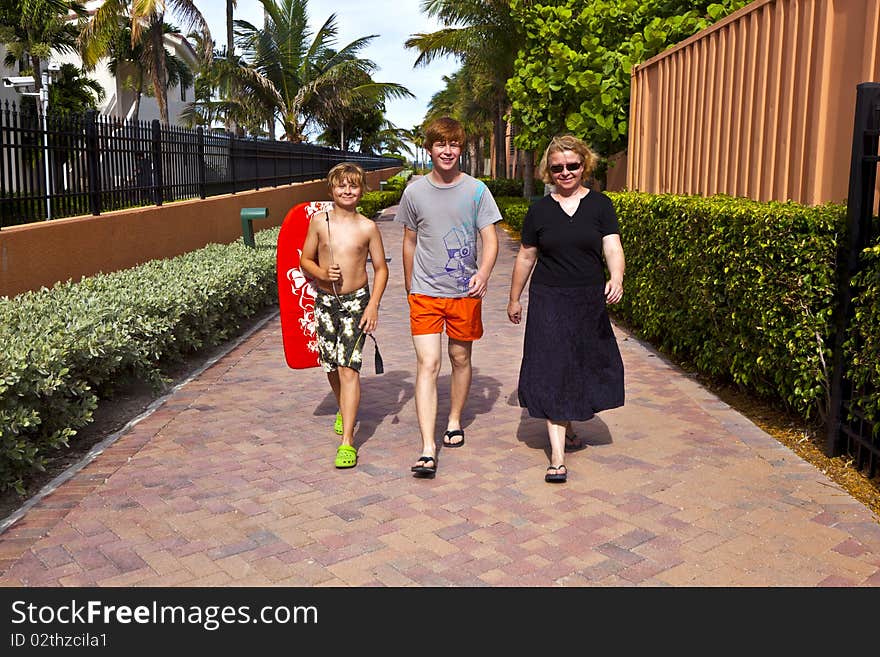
[[128, 61], [73, 92], [416, 137], [299, 77], [230, 26], [142, 17], [230, 49], [352, 103], [373, 133], [467, 95], [32, 29], [483, 34], [389, 139]]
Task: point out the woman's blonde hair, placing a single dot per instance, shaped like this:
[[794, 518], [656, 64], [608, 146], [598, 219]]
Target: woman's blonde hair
[[568, 143], [347, 172]]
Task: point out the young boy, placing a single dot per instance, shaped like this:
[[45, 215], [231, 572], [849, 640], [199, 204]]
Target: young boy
[[443, 213], [335, 256]]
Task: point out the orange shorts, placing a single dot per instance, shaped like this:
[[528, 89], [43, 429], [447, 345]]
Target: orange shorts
[[462, 316]]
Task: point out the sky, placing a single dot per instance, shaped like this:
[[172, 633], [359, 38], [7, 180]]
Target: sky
[[392, 20]]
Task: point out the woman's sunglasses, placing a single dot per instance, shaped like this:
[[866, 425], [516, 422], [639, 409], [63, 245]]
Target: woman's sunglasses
[[571, 166]]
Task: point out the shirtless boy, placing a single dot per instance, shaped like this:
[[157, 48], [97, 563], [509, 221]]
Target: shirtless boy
[[335, 256]]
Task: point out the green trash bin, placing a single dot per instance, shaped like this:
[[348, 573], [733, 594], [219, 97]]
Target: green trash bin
[[247, 226]]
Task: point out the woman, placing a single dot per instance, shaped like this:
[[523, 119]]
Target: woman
[[571, 366]]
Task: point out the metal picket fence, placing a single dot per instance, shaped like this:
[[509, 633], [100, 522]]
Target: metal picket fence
[[850, 430], [67, 165]]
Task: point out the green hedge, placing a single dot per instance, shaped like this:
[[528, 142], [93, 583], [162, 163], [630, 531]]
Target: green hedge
[[862, 348], [742, 289], [504, 186], [513, 210], [373, 202], [397, 183], [65, 348]]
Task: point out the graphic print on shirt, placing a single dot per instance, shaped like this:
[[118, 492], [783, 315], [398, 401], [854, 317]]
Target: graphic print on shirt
[[461, 243], [461, 249]]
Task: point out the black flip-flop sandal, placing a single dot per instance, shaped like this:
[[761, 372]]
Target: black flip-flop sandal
[[452, 434], [573, 443], [424, 470], [557, 477]]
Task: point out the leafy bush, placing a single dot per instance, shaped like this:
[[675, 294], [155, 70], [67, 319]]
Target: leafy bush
[[396, 156], [397, 183], [504, 186], [373, 202], [744, 290], [862, 347], [513, 210], [66, 347]]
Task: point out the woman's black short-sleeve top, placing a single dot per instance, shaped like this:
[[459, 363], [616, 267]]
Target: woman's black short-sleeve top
[[569, 248]]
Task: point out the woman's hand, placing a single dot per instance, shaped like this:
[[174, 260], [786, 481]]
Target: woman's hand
[[514, 311], [613, 291]]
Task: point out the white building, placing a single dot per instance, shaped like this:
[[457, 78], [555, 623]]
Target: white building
[[119, 98]]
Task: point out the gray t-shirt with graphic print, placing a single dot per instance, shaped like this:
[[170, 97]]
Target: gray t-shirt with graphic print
[[447, 220]]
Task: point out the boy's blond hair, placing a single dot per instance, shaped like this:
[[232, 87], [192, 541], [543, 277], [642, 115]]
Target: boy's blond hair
[[347, 172]]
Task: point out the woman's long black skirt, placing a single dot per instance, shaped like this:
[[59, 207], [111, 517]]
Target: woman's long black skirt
[[571, 366]]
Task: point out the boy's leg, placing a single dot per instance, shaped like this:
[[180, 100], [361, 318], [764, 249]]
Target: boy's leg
[[327, 329], [460, 357], [427, 369], [333, 378], [349, 400], [463, 326]]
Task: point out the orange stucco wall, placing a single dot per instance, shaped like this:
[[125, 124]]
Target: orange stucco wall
[[42, 254], [758, 105]]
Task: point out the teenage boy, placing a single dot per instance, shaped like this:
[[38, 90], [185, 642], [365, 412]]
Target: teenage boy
[[442, 213], [335, 255]]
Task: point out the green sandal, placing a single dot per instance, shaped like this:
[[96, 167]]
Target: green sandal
[[337, 426], [346, 457]]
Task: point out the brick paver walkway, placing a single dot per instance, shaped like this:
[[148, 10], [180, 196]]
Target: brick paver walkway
[[230, 482]]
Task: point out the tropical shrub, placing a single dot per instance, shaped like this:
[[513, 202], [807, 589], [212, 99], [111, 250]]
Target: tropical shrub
[[504, 186], [67, 347], [743, 290], [372, 203]]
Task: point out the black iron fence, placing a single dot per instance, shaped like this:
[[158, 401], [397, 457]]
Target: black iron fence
[[849, 430], [68, 165]]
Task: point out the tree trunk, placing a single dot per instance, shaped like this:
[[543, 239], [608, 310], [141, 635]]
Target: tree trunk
[[230, 53], [137, 101], [480, 157], [500, 145], [157, 70], [230, 34], [528, 173], [472, 157], [36, 64]]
